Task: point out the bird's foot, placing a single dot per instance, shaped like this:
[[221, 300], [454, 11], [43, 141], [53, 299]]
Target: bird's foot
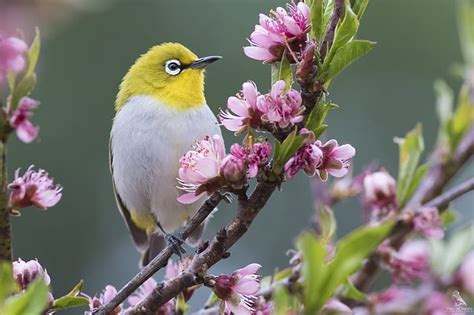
[[175, 243]]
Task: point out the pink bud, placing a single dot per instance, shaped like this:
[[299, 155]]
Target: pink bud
[[380, 194], [12, 55], [233, 169], [19, 120], [25, 272]]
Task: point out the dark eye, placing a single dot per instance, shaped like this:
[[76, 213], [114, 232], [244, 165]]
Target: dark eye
[[173, 67]]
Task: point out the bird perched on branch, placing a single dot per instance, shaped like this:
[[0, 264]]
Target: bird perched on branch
[[160, 112]]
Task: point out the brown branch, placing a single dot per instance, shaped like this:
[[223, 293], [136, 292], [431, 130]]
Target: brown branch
[[329, 37], [161, 259], [440, 173], [248, 208], [5, 225]]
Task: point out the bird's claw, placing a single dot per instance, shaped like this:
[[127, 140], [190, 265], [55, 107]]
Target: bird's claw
[[175, 243]]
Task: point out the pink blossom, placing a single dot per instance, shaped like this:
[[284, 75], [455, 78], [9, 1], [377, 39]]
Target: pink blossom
[[334, 306], [336, 159], [428, 223], [105, 297], [280, 107], [34, 188], [199, 166], [255, 155], [12, 55], [282, 30], [466, 273], [394, 300], [142, 293], [19, 120], [380, 194], [436, 304], [238, 290], [25, 272], [233, 170], [411, 262], [308, 158], [263, 308], [174, 269], [242, 110]]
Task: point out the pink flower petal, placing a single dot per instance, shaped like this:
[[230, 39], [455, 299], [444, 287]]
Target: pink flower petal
[[247, 287], [238, 106], [344, 152], [248, 270], [189, 198], [250, 92], [26, 132], [258, 53]]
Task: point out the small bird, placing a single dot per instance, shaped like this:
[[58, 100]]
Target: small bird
[[161, 111]]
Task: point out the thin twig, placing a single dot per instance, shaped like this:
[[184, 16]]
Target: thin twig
[[248, 208], [442, 170], [443, 200], [162, 258], [329, 37]]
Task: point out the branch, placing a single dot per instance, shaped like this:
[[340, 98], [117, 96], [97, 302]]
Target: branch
[[440, 173], [452, 194], [329, 37], [5, 226], [248, 208], [162, 258]]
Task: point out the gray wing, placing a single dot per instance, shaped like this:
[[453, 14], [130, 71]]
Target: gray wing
[[139, 236]]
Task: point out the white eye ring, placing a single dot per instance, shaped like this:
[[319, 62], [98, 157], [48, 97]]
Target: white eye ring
[[173, 67]]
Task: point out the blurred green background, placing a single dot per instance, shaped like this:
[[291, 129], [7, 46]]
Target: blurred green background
[[86, 51]]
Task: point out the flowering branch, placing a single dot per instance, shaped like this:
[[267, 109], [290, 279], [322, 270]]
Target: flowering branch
[[441, 171], [161, 259]]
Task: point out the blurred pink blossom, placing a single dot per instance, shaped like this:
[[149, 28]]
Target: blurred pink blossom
[[34, 188], [436, 304], [380, 194], [19, 120], [198, 166], [12, 55], [428, 223], [174, 269], [282, 30], [25, 272], [280, 107], [255, 155], [242, 110], [466, 273], [334, 306], [411, 262], [394, 300], [238, 290]]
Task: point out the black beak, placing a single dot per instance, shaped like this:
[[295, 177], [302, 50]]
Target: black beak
[[203, 62]]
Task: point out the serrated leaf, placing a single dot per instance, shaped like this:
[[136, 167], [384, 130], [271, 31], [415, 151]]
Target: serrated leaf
[[462, 119], [466, 30], [415, 181], [313, 270], [282, 71], [318, 114], [351, 292], [33, 54], [67, 302], [347, 54], [32, 302], [359, 7], [410, 149], [317, 20]]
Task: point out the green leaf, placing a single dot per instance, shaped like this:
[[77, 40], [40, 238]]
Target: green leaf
[[415, 182], [410, 149], [317, 26], [7, 284], [327, 222], [466, 30], [313, 270], [32, 302], [33, 54], [462, 119], [347, 54], [359, 7], [319, 131], [281, 301], [282, 71], [318, 114], [449, 216], [23, 88], [286, 150], [181, 305], [344, 33], [282, 274], [72, 299], [351, 292], [444, 101]]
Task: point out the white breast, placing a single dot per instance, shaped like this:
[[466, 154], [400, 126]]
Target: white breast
[[148, 139]]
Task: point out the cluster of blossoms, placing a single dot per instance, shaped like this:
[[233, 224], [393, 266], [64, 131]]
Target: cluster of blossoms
[[206, 168], [283, 31], [12, 55], [250, 109], [25, 272], [314, 157], [34, 188]]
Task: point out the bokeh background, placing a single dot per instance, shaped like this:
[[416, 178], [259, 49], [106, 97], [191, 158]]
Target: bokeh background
[[89, 45]]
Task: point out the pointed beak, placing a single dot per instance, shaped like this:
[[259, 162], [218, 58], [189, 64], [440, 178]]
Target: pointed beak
[[203, 62]]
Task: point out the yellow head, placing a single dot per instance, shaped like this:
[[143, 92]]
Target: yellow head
[[170, 73]]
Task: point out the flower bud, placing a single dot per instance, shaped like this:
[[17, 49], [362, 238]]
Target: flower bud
[[233, 169], [25, 272], [380, 193]]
